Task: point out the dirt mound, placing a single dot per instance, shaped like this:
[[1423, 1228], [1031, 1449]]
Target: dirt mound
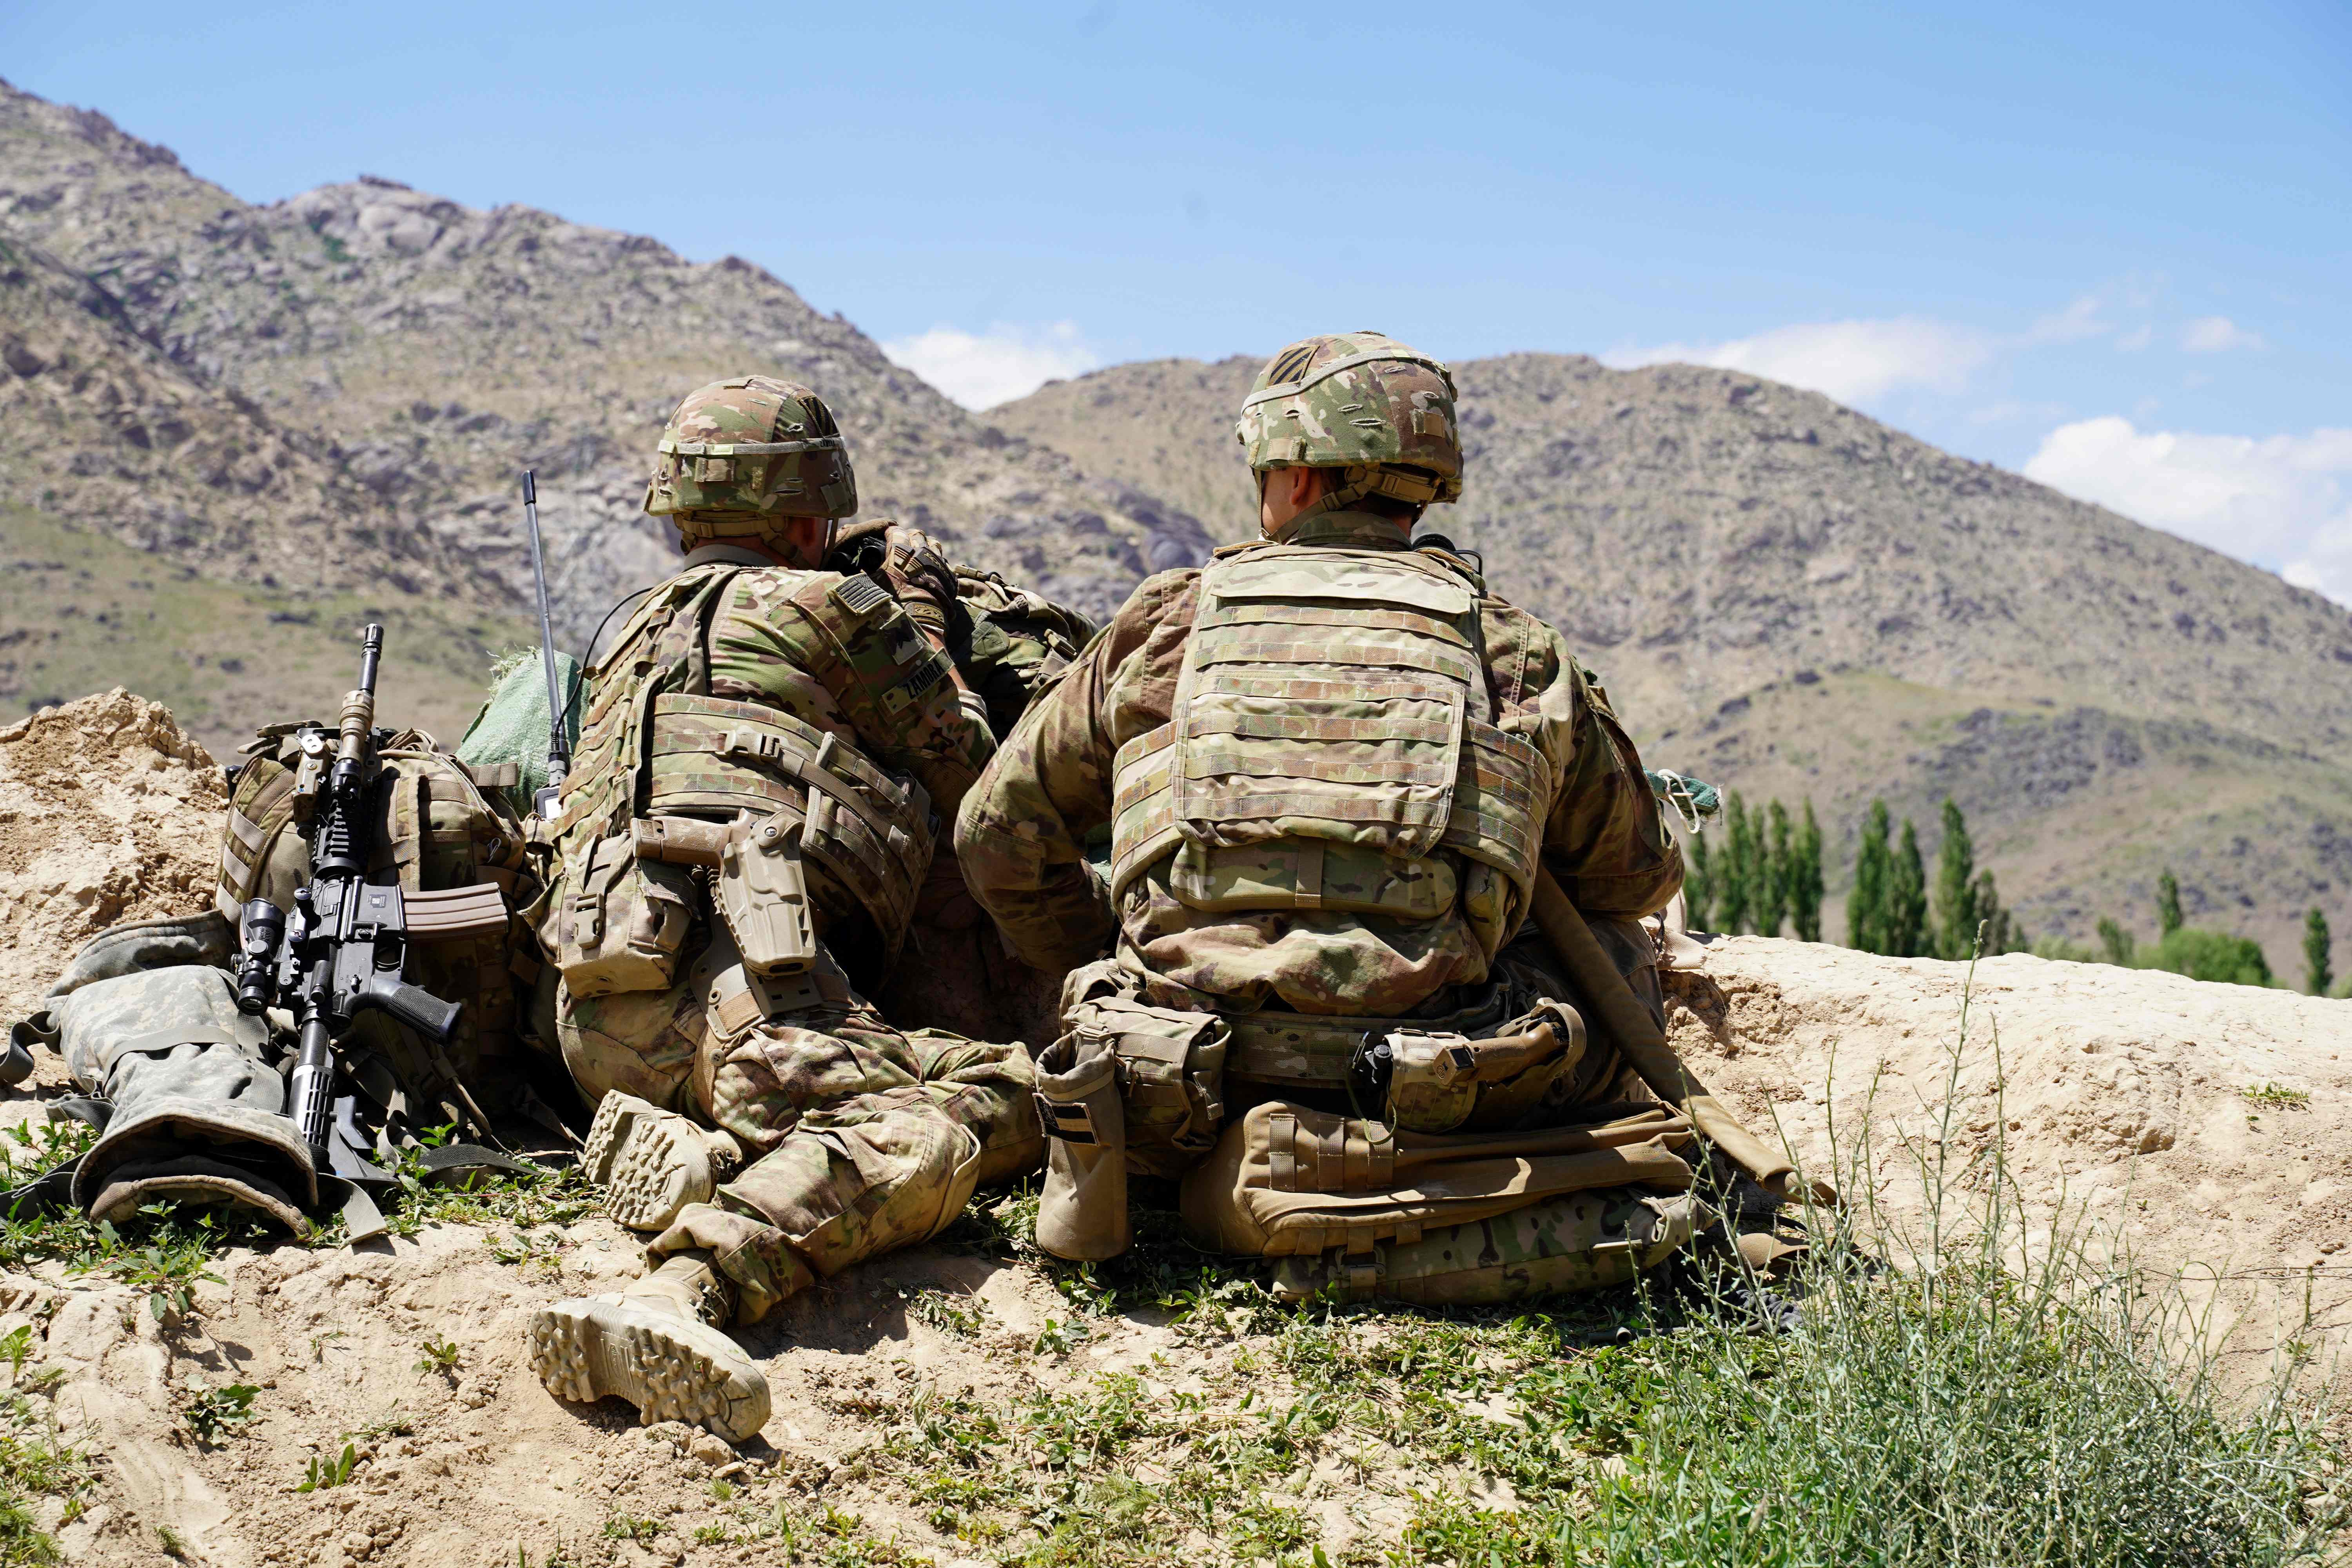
[[929, 1405], [109, 812], [2207, 1127]]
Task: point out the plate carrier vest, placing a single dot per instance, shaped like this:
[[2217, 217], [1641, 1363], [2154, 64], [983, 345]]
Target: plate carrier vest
[[1333, 748], [655, 743]]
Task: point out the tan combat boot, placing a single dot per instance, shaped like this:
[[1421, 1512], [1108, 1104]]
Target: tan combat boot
[[660, 1344], [653, 1162]]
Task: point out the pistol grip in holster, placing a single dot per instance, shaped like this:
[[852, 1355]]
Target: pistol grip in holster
[[762, 894]]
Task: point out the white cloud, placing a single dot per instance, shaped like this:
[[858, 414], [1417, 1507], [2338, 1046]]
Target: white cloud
[[2275, 499], [2071, 325], [2137, 339], [1849, 360], [980, 370], [2217, 334]]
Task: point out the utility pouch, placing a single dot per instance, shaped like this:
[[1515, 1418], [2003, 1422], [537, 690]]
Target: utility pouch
[[620, 921], [762, 894], [1439, 1082], [1172, 1077]]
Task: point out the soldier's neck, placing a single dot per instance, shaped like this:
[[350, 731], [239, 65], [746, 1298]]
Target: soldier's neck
[[732, 555], [1350, 529]]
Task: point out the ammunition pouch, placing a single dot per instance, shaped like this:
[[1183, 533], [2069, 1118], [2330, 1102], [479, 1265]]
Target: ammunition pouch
[[619, 922], [1171, 1072], [1435, 1081]]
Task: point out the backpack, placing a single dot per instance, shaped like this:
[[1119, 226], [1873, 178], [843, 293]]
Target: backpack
[[441, 825]]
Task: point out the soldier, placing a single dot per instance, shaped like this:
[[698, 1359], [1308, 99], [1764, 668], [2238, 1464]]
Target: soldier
[[741, 844], [1331, 766]]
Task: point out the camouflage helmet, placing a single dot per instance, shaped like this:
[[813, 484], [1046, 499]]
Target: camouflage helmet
[[739, 456], [1361, 402]]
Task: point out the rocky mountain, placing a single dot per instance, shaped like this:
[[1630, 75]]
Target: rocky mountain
[[315, 410], [428, 352], [1795, 599], [98, 423]]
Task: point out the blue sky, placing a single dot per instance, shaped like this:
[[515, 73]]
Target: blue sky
[[2105, 245]]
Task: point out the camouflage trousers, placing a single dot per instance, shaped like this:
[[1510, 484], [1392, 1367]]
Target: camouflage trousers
[[859, 1138]]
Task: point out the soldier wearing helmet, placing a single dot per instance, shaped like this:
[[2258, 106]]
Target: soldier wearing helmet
[[1330, 765], [766, 750]]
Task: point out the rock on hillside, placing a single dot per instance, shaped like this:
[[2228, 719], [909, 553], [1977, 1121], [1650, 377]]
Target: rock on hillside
[[1166, 425], [109, 813], [2207, 1126], [435, 351], [1793, 599], [99, 427]]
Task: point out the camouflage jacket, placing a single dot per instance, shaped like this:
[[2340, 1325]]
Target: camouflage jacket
[[837, 654], [1024, 829]]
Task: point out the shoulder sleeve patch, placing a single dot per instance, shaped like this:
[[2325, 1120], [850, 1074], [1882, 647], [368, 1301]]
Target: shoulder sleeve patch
[[859, 595]]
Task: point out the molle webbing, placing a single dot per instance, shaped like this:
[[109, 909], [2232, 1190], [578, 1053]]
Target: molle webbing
[[1310, 1050], [709, 756], [257, 813], [1337, 696], [661, 648]]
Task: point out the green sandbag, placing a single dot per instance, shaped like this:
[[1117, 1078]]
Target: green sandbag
[[512, 725]]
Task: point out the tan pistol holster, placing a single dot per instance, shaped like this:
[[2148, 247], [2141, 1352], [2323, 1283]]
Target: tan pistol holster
[[762, 895]]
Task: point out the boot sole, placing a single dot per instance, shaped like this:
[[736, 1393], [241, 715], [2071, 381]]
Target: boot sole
[[670, 1368], [651, 1163]]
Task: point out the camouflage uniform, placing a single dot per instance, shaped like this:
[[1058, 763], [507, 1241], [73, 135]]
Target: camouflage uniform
[[1022, 833], [1329, 763], [810, 708], [742, 843]]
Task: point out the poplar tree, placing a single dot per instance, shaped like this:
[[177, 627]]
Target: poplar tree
[[2167, 903], [2318, 973], [2115, 942], [1956, 914], [1907, 899], [1999, 928], [1698, 882], [1736, 899], [1805, 880], [1777, 872], [1865, 912]]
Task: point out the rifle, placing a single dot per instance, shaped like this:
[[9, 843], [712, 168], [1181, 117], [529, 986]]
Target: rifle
[[1645, 1047], [343, 949]]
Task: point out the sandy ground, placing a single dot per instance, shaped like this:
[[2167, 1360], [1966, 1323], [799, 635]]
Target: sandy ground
[[2120, 1097], [2206, 1128]]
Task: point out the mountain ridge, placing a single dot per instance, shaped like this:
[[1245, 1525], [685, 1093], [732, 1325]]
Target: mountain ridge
[[1796, 601], [433, 351], [1782, 594]]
